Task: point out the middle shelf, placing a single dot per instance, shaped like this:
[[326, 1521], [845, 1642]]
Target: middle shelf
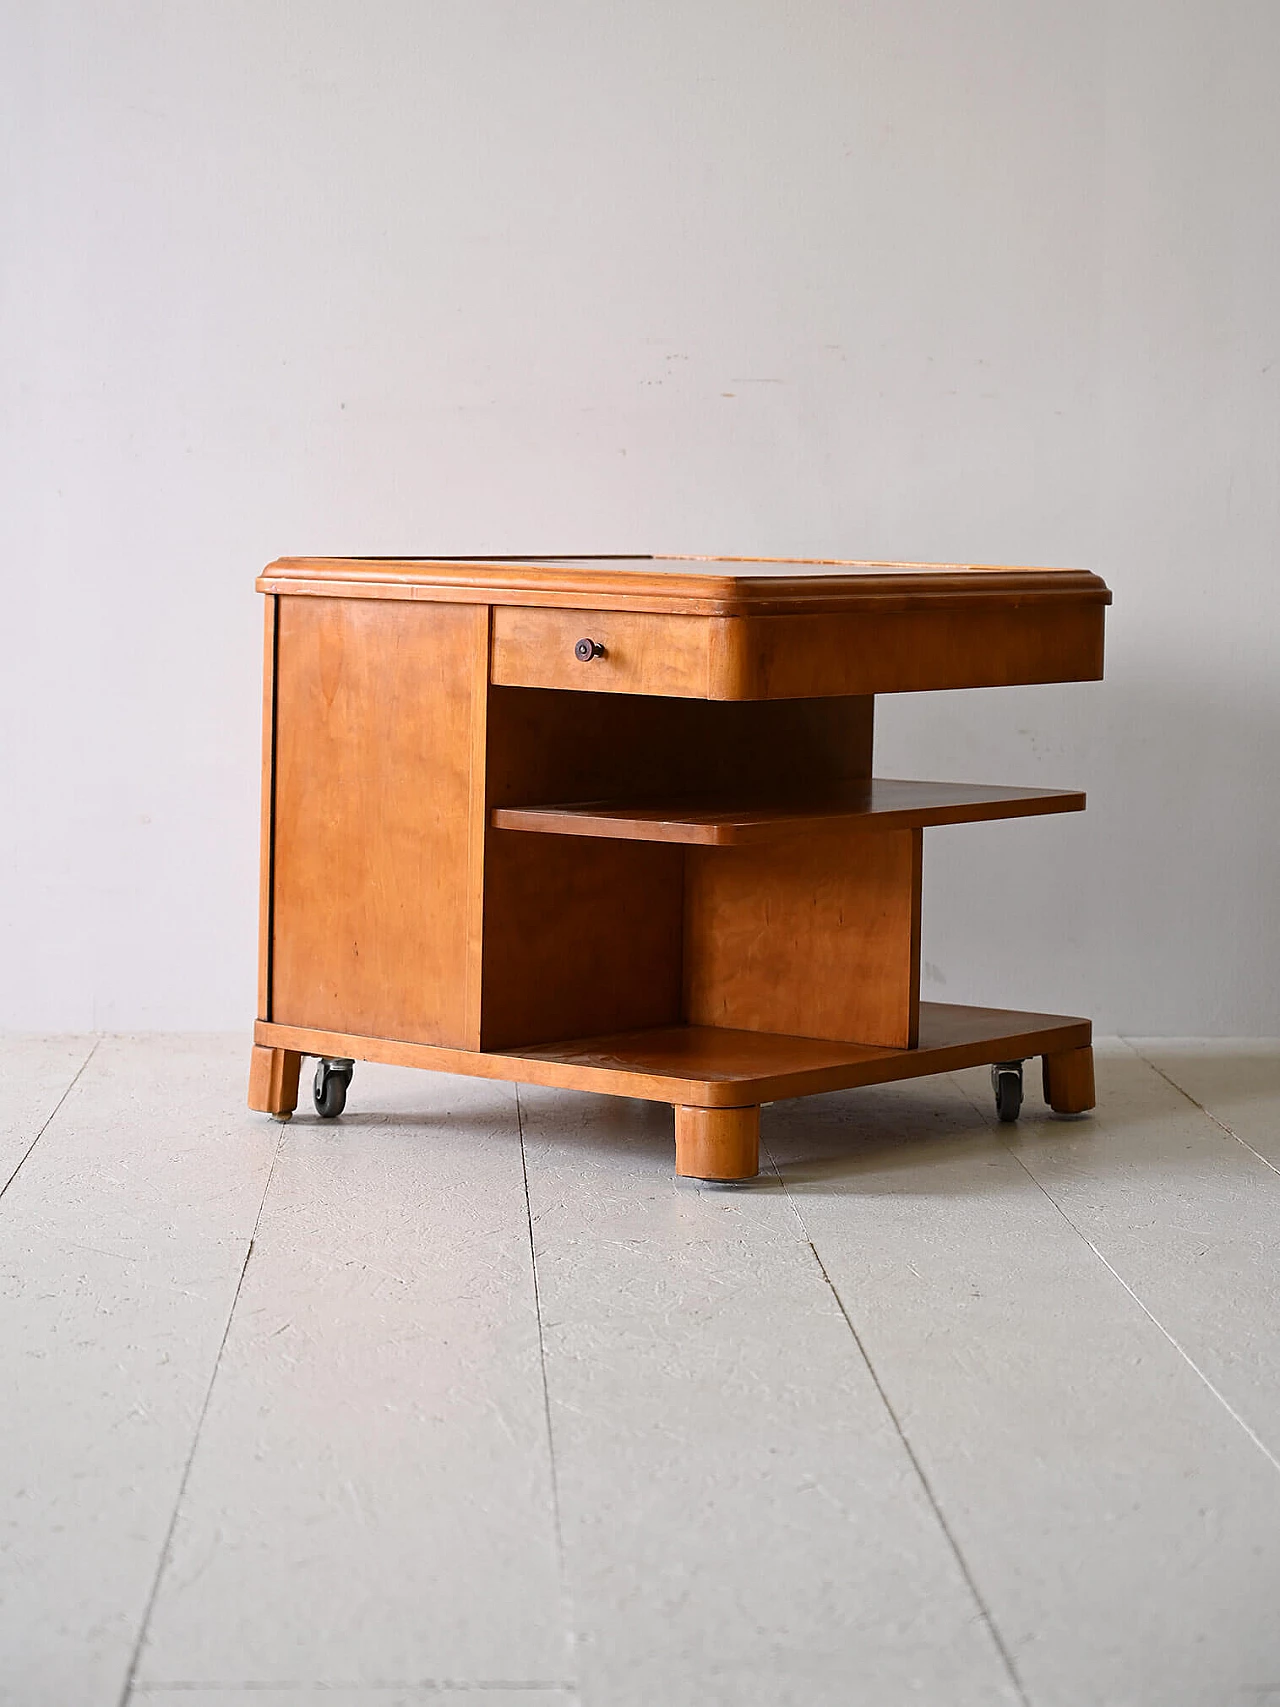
[[880, 804]]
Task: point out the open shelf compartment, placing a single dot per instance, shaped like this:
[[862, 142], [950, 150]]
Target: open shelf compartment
[[879, 804]]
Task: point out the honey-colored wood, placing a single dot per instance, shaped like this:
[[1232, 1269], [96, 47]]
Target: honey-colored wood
[[579, 937], [642, 654], [373, 827], [882, 804], [266, 842], [709, 1068], [717, 1143], [726, 586], [988, 644], [546, 746], [863, 651], [646, 873], [477, 834], [1068, 1081], [817, 937], [574, 941], [273, 1080]]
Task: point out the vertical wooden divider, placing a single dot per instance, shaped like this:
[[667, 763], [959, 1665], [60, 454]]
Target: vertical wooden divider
[[813, 937], [477, 834]]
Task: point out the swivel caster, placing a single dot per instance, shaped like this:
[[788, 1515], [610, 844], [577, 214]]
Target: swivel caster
[[1006, 1082], [333, 1075]]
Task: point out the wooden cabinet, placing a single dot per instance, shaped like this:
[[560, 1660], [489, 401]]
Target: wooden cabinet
[[611, 824]]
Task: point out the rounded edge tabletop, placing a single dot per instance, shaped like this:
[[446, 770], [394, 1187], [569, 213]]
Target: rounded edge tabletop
[[713, 586]]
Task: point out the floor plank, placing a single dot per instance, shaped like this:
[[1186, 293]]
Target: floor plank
[[369, 1515], [1186, 1215], [381, 1695], [1122, 1529], [1237, 1081], [35, 1074], [122, 1240], [371, 1499], [742, 1523]]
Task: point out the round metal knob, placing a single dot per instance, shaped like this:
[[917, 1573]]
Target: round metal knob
[[586, 650]]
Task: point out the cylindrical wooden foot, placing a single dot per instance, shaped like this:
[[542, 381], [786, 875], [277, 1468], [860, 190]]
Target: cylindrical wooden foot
[[717, 1143], [273, 1081], [1068, 1081]]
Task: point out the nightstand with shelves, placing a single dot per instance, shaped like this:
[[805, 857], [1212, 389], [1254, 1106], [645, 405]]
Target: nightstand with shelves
[[611, 825]]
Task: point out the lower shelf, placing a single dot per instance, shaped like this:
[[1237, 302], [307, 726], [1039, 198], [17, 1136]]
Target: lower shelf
[[708, 1067]]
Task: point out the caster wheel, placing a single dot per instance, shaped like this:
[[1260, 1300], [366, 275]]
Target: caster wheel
[[332, 1079], [1006, 1082]]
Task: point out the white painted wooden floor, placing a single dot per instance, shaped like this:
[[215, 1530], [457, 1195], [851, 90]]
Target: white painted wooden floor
[[464, 1399]]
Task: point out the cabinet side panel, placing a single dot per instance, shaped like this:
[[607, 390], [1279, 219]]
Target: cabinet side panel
[[374, 708], [814, 937], [266, 845]]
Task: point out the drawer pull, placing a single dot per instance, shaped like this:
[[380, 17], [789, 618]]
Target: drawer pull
[[586, 650]]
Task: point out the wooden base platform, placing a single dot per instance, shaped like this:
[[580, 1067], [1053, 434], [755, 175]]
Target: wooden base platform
[[712, 1070]]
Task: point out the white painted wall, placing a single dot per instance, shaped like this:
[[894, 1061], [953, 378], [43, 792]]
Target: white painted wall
[[992, 281]]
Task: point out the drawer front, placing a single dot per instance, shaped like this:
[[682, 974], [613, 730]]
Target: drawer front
[[605, 651], [797, 657]]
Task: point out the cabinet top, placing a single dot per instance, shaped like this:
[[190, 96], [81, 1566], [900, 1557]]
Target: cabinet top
[[713, 586]]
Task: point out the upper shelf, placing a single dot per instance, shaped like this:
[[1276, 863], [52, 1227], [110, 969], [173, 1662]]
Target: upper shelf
[[882, 804]]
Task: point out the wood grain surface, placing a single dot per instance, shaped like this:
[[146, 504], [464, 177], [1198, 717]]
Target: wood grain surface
[[266, 836], [881, 804], [713, 1068], [273, 1080], [814, 937], [1068, 1081], [582, 936], [422, 716], [578, 936], [692, 585], [717, 1143], [374, 892], [642, 653], [986, 642], [548, 746]]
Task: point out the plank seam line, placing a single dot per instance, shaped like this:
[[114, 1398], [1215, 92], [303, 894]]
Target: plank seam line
[[52, 1112], [1207, 1112], [965, 1572], [566, 1600], [148, 1610], [430, 1684], [1151, 1316], [1185, 1355], [1115, 1273]]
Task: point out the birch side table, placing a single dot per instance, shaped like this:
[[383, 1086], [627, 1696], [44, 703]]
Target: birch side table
[[611, 824]]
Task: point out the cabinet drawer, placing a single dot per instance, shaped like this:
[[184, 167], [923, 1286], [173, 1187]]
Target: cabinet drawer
[[624, 651]]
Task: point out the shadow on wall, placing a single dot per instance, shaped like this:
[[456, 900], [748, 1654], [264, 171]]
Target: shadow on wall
[[1157, 910], [1192, 818]]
